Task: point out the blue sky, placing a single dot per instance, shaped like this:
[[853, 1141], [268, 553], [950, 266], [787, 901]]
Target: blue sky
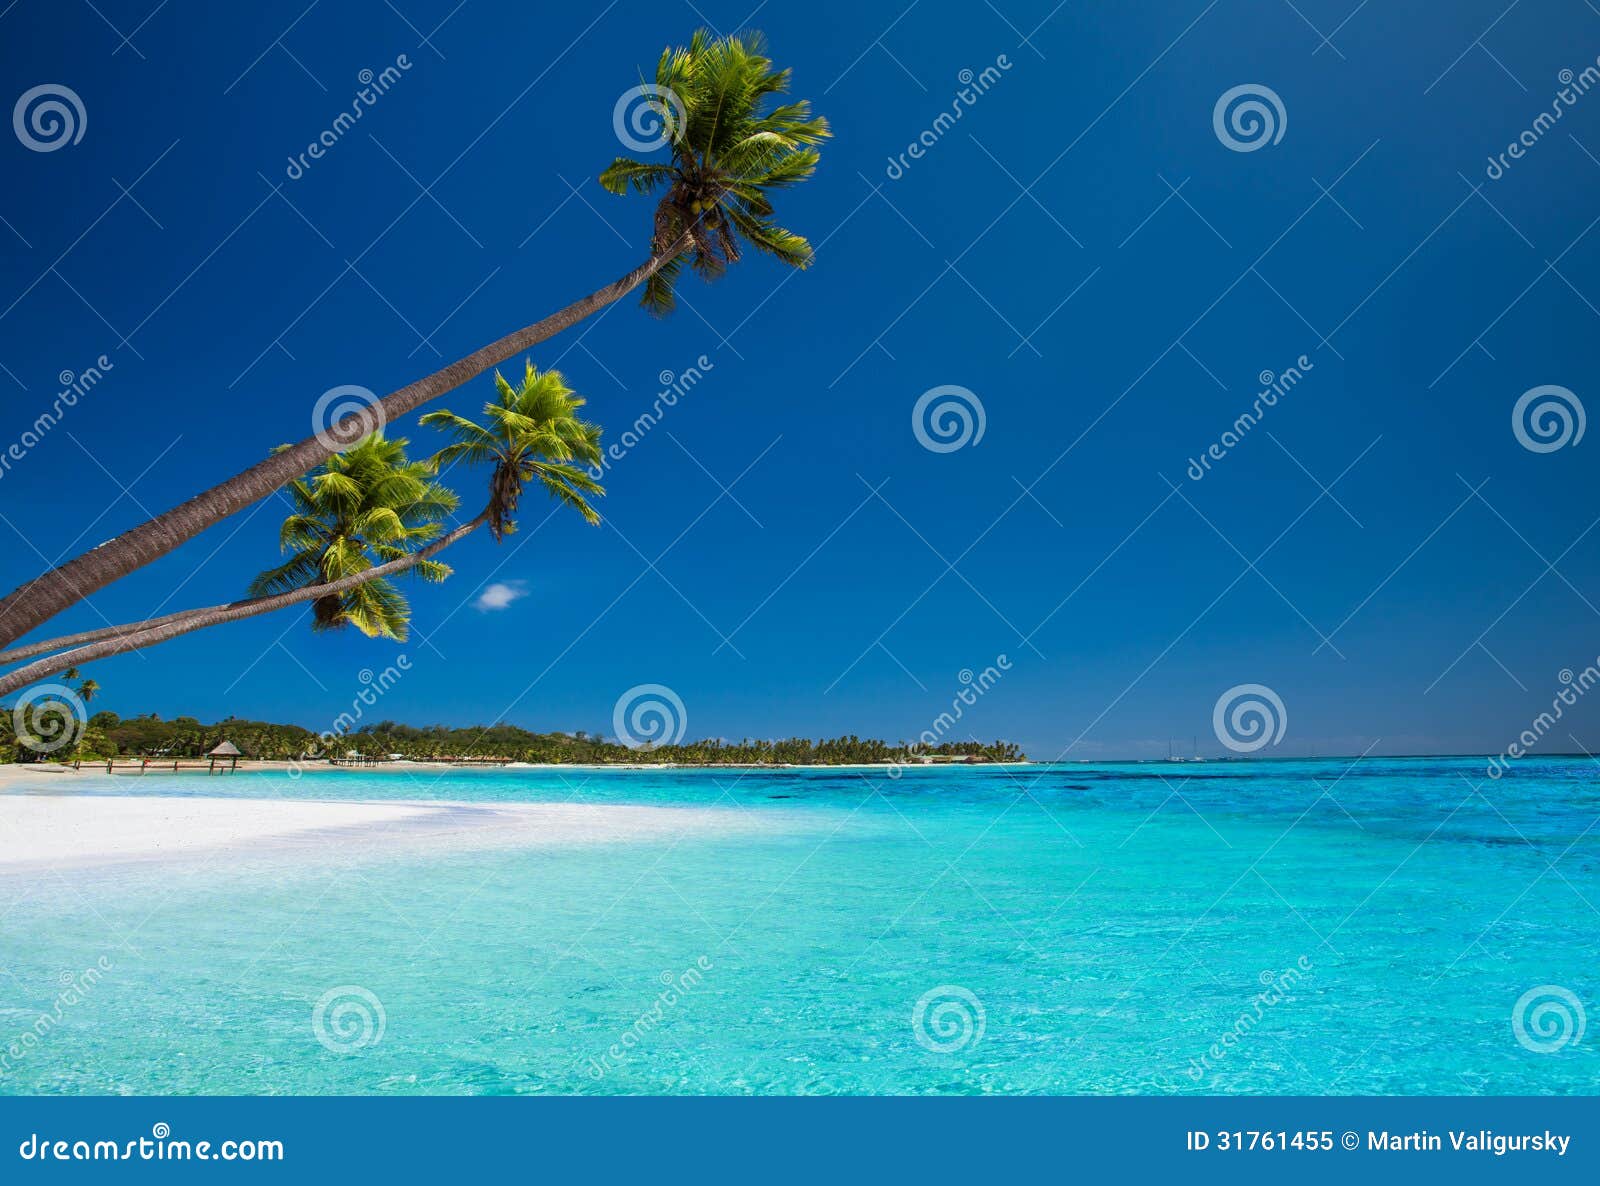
[[1081, 251]]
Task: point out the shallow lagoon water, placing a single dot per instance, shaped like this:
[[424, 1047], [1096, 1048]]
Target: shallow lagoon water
[[1079, 928]]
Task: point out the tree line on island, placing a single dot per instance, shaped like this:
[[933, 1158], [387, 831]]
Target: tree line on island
[[109, 736]]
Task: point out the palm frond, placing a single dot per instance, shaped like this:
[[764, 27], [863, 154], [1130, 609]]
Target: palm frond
[[624, 174], [660, 297], [377, 609], [295, 573], [370, 504], [768, 236], [733, 142], [533, 433]]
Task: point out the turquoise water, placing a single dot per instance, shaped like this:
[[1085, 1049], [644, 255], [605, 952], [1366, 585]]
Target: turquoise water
[[1082, 928]]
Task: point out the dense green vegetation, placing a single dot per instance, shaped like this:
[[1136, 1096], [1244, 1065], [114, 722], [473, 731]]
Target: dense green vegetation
[[109, 735]]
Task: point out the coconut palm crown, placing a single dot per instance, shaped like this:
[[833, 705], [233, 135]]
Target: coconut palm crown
[[364, 507], [533, 434], [731, 143]]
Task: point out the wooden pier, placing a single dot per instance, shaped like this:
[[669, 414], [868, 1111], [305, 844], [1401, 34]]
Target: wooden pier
[[148, 765]]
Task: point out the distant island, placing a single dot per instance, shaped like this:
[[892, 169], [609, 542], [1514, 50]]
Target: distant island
[[109, 736]]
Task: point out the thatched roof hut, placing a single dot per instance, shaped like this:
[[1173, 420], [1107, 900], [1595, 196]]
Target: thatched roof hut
[[224, 751]]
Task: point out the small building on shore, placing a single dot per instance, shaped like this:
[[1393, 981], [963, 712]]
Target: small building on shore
[[224, 751]]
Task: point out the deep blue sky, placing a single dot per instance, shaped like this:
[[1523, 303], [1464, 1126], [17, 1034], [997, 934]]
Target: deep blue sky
[[228, 319]]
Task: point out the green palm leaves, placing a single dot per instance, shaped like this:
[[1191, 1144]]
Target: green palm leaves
[[531, 433], [371, 505], [366, 506], [732, 142]]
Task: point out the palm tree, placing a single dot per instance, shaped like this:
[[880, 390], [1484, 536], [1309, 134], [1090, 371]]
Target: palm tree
[[729, 154], [88, 689], [729, 148], [357, 522], [534, 435], [366, 506], [134, 636]]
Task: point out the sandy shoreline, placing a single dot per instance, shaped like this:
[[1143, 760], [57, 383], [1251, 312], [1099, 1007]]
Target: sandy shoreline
[[47, 821], [55, 817]]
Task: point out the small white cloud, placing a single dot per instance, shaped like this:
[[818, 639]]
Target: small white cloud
[[500, 595]]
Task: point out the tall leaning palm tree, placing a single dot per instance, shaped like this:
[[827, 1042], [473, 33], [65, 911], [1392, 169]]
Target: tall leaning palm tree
[[533, 434], [732, 149], [731, 146], [366, 506]]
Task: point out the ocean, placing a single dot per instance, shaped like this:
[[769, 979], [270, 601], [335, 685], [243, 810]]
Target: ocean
[[1393, 926]]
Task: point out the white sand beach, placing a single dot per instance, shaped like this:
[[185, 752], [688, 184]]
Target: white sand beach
[[47, 820]]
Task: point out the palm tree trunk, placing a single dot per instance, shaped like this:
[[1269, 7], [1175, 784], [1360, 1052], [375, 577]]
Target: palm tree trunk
[[44, 647], [65, 585], [138, 635]]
